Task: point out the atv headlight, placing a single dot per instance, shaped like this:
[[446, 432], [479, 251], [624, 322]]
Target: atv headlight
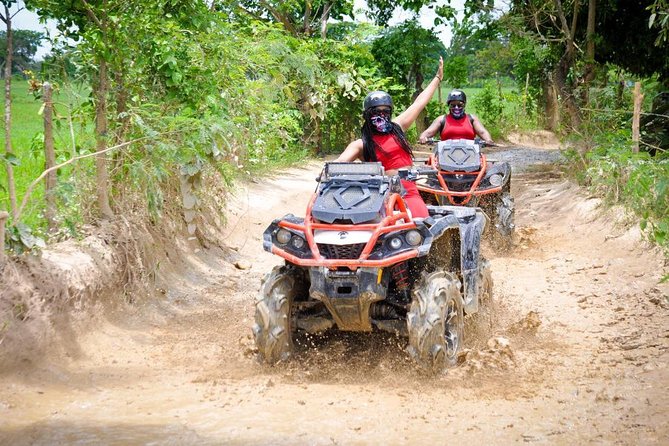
[[283, 236], [395, 243], [297, 242], [496, 179], [413, 238]]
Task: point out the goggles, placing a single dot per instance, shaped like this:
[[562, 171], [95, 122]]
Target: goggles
[[378, 111]]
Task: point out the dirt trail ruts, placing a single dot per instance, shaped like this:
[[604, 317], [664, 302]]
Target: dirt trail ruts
[[576, 353]]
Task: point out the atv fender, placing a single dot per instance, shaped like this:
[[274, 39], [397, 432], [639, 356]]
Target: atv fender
[[498, 168], [470, 223]]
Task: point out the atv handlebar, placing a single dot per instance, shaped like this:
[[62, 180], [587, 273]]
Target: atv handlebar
[[404, 173], [413, 173], [477, 140]]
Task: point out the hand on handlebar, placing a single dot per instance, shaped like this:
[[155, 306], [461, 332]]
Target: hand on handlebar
[[485, 142]]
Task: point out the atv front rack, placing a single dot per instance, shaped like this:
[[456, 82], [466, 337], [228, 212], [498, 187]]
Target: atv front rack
[[301, 249], [460, 172]]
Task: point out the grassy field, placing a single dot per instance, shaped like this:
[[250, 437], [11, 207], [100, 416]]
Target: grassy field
[[28, 143]]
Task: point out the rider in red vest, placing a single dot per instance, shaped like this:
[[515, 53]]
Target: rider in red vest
[[383, 138], [457, 124]]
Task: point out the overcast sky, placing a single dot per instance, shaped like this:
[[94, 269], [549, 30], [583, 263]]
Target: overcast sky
[[29, 20]]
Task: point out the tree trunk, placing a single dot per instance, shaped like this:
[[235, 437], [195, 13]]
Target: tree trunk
[[552, 110], [50, 158], [101, 124], [589, 73], [565, 88], [121, 106], [3, 219], [306, 23], [324, 19], [636, 117], [122, 121], [11, 186]]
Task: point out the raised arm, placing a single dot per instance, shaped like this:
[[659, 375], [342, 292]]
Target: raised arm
[[408, 116], [431, 130], [352, 152]]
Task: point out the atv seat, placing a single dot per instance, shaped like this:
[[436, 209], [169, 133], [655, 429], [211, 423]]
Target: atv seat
[[459, 155]]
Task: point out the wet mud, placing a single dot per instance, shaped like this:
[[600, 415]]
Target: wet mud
[[572, 350]]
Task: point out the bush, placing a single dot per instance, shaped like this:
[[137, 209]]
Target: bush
[[635, 180]]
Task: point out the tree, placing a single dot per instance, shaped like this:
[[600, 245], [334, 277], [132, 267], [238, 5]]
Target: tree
[[306, 17], [564, 84], [299, 18], [149, 41], [625, 39], [382, 10], [659, 19], [25, 44], [6, 16], [479, 48], [578, 35], [456, 70], [406, 53], [468, 38], [94, 24], [553, 25]]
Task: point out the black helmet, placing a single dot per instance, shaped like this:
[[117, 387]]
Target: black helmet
[[377, 99], [457, 95]]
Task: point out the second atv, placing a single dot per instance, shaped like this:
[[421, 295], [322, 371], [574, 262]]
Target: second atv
[[461, 175]]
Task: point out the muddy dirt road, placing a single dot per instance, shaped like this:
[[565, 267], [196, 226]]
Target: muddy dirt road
[[577, 353]]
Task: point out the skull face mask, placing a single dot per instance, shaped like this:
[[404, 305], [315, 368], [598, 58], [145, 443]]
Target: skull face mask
[[380, 120]]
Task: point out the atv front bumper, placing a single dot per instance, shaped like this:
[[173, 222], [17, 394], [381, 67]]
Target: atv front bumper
[[348, 295]]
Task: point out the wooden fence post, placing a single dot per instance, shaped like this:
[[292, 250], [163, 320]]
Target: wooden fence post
[[3, 219], [524, 114], [50, 157], [638, 99]]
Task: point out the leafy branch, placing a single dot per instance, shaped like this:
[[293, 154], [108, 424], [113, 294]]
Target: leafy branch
[[28, 192]]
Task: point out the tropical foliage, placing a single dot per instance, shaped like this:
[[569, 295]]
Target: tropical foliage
[[151, 96]]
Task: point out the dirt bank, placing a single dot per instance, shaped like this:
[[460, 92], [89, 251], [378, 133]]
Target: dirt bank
[[576, 353]]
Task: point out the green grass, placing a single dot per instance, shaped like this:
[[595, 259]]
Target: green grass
[[26, 124], [28, 146]]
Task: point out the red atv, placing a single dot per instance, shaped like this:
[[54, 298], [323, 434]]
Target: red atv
[[358, 261], [461, 175]]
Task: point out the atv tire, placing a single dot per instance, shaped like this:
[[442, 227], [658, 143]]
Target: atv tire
[[505, 215], [501, 212], [436, 321], [486, 314], [273, 328], [485, 279]]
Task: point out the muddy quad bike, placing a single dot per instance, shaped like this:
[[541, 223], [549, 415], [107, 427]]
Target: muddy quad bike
[[462, 176], [358, 261]]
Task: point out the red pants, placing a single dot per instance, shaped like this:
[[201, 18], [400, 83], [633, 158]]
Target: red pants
[[414, 201]]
